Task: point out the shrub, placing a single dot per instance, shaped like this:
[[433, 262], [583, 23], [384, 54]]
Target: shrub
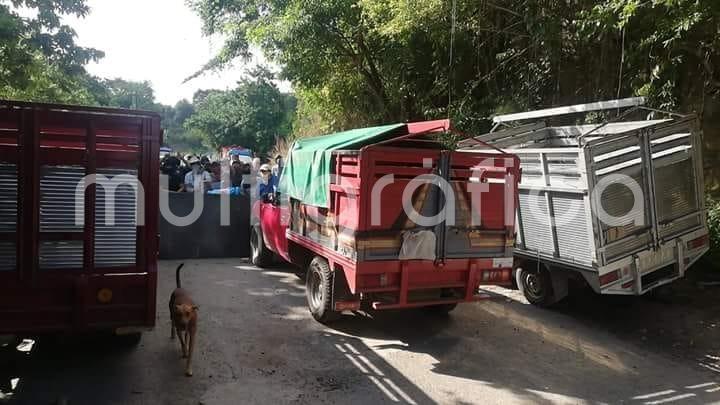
[[713, 207]]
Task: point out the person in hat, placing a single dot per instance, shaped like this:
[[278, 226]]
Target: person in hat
[[197, 179], [266, 181]]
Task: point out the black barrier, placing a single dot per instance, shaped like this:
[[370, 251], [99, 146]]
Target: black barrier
[[206, 238]]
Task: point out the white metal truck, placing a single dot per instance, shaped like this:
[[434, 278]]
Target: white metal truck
[[618, 203]]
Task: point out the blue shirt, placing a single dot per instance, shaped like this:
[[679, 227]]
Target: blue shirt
[[267, 188]]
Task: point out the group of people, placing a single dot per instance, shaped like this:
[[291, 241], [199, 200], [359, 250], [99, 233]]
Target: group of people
[[197, 173]]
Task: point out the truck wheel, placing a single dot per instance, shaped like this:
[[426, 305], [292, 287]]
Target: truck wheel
[[318, 289], [261, 256], [536, 285], [442, 309], [130, 340]]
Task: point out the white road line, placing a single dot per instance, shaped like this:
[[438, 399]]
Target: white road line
[[671, 399], [352, 349], [340, 348], [371, 366], [654, 394], [692, 387], [710, 367], [716, 389], [383, 389], [400, 392], [357, 364]]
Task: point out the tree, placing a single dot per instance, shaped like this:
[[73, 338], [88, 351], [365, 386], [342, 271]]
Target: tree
[[39, 59], [127, 94], [252, 115], [176, 135]]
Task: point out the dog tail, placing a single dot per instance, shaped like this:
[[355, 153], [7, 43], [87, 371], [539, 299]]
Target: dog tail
[[177, 274]]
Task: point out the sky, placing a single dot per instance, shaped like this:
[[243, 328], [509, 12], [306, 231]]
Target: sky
[[155, 40]]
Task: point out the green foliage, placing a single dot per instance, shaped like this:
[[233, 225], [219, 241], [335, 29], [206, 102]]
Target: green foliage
[[253, 115], [360, 62], [176, 136], [127, 94], [39, 59], [713, 207]]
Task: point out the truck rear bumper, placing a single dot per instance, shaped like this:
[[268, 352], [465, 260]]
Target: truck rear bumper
[[650, 269], [407, 284], [75, 304], [382, 305]]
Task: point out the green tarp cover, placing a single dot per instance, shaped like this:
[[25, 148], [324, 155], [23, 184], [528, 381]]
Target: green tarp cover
[[306, 175]]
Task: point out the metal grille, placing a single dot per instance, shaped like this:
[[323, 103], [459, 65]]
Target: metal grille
[[58, 207], [572, 227], [536, 222], [8, 198], [8, 254], [115, 244], [677, 195], [8, 215], [61, 255], [618, 200]]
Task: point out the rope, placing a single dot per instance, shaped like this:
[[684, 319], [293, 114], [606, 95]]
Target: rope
[[450, 61], [622, 62]]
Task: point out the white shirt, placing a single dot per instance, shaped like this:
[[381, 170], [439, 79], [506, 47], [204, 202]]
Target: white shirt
[[197, 182]]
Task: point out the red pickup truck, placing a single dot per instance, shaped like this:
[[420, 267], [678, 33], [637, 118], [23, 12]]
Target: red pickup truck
[[64, 267], [352, 213]]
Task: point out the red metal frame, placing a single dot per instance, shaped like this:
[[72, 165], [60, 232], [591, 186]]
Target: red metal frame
[[33, 301]]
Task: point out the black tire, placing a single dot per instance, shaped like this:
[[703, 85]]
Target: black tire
[[318, 290], [536, 284], [130, 340], [9, 343], [442, 309], [260, 255]]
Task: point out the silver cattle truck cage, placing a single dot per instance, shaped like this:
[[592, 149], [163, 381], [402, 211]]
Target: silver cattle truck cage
[[619, 202]]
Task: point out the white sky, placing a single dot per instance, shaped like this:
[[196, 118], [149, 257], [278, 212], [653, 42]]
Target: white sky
[[155, 40]]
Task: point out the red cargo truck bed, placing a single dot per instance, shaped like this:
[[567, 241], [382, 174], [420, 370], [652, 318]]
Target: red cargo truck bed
[[58, 273]]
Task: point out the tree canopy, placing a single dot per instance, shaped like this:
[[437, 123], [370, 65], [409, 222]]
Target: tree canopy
[[254, 115], [39, 59], [359, 62]]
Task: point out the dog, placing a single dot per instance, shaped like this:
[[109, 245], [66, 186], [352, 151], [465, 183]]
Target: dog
[[183, 320]]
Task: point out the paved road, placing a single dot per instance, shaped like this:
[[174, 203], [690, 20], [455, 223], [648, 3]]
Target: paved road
[[257, 344]]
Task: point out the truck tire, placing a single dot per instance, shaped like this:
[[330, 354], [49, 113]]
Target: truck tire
[[318, 290], [130, 340], [536, 284], [260, 255], [442, 309]]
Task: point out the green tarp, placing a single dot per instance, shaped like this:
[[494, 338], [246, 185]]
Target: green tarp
[[306, 175]]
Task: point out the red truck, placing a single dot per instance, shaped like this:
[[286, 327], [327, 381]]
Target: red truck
[[64, 265], [339, 217]]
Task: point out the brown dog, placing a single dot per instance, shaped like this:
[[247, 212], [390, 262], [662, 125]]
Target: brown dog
[[183, 316]]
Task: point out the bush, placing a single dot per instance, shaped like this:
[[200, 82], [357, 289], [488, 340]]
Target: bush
[[713, 207]]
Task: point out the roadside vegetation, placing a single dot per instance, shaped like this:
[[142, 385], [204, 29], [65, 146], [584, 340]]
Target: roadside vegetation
[[361, 62], [713, 207], [364, 62]]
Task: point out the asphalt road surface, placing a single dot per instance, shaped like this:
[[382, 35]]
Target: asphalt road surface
[[258, 344]]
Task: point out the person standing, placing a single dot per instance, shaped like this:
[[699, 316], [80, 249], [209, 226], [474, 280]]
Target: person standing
[[267, 182], [197, 179]]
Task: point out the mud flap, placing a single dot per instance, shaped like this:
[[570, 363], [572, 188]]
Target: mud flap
[[342, 298]]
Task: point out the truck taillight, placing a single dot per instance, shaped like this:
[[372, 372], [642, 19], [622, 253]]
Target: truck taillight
[[699, 242], [495, 276], [608, 278]]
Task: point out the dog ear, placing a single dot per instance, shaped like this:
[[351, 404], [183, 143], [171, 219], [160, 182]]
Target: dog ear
[[195, 307]]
